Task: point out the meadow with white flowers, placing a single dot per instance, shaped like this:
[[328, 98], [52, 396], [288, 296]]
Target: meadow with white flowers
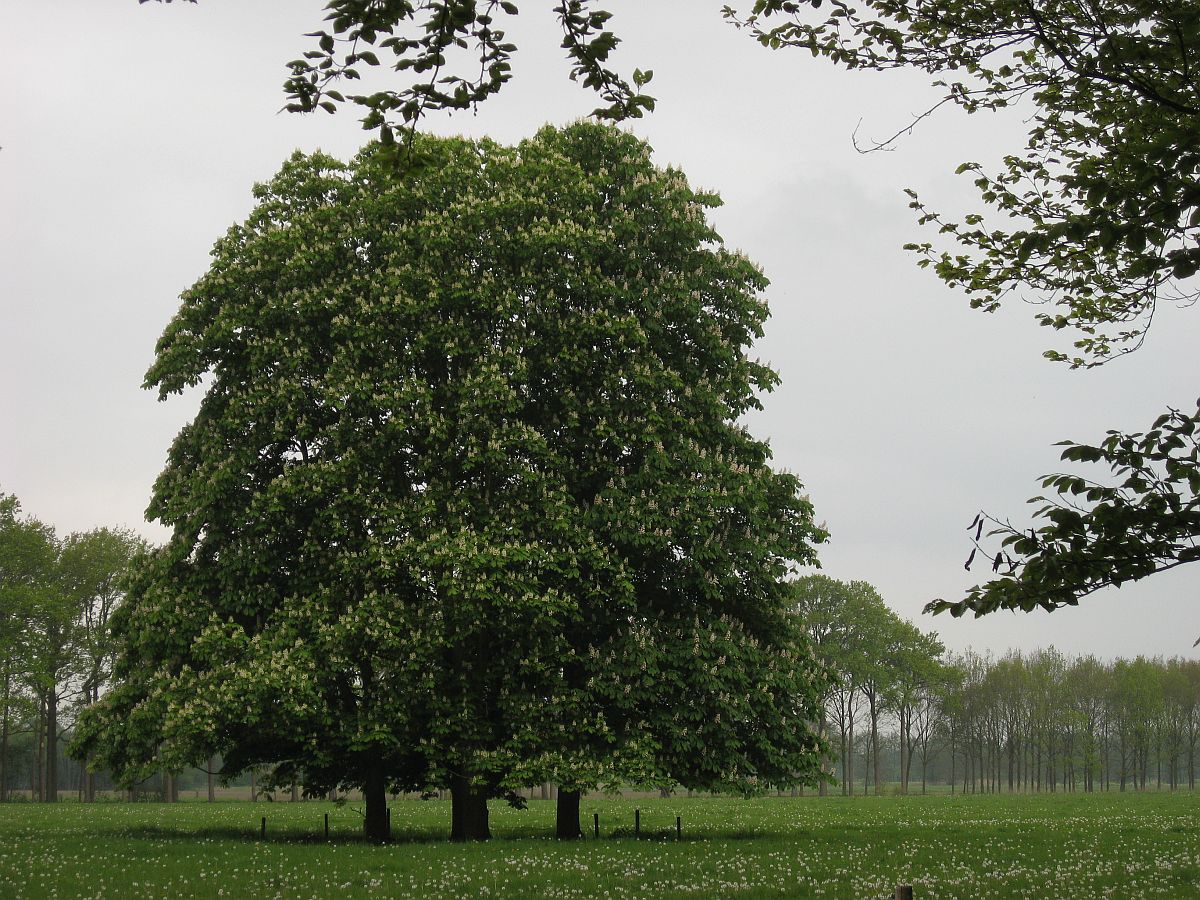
[[1062, 845]]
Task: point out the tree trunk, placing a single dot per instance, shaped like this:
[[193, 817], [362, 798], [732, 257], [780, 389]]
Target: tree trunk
[[468, 811], [89, 791], [953, 760], [545, 790], [823, 789], [253, 786], [375, 823], [845, 756], [567, 821], [4, 737], [912, 746], [875, 744], [51, 784], [866, 763], [212, 790], [848, 789]]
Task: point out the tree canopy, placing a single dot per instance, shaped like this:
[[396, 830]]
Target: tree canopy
[[466, 502]]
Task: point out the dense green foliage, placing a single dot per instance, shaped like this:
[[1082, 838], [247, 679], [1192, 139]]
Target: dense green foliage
[[984, 846], [466, 502]]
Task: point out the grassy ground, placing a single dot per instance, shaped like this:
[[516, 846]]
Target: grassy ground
[[1130, 845]]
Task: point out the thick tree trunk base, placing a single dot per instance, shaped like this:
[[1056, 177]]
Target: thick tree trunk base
[[567, 821], [468, 812], [375, 822]]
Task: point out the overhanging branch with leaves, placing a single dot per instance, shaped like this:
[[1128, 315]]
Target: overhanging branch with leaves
[[1095, 535]]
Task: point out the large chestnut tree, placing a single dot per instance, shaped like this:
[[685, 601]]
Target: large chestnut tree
[[467, 502]]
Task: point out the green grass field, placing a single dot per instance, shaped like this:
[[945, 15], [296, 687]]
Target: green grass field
[[1124, 845]]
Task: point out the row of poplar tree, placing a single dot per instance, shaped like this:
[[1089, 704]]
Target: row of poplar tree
[[902, 710], [1045, 722]]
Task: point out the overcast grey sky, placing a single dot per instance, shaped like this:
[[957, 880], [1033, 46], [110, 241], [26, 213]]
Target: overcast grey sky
[[132, 135]]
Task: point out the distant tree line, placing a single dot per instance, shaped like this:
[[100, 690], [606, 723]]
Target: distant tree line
[[1046, 722], [56, 652], [904, 710]]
